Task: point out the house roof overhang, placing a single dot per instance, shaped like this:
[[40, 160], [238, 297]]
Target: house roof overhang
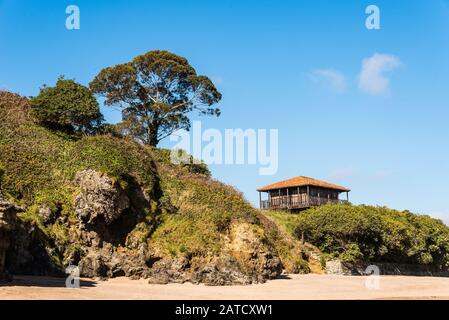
[[302, 181]]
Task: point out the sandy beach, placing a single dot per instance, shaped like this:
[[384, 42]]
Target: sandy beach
[[293, 287]]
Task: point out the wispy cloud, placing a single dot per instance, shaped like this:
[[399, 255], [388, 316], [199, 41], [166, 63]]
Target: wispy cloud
[[339, 175], [372, 78], [333, 79]]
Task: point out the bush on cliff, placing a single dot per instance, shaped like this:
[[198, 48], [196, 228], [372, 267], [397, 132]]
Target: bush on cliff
[[375, 234], [69, 106]]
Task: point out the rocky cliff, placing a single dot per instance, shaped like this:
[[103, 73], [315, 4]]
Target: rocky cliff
[[116, 208], [106, 240]]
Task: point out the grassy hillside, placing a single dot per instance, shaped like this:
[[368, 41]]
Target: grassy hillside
[[189, 214], [36, 160], [287, 224]]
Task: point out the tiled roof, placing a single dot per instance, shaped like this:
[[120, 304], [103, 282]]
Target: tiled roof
[[300, 182]]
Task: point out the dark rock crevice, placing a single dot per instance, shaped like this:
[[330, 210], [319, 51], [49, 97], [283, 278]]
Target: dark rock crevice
[[32, 252], [8, 213]]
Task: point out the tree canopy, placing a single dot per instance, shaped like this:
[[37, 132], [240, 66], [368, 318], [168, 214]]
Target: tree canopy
[[155, 92], [69, 106]]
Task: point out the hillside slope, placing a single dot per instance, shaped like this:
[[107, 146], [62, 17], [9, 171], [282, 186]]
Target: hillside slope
[[116, 208]]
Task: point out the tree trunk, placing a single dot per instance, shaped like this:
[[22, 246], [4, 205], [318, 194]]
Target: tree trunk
[[153, 140], [152, 133]]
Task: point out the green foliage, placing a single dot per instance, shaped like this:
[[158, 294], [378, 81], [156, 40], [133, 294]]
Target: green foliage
[[156, 90], [197, 212], [36, 159], [352, 253], [367, 233], [323, 259], [190, 163], [204, 210], [119, 158], [69, 106], [40, 166], [282, 232], [287, 221]]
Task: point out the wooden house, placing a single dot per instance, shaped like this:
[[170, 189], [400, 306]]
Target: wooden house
[[300, 193]]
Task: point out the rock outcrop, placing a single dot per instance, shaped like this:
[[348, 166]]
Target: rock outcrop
[[107, 217], [338, 267], [255, 259], [243, 261], [8, 213], [107, 227], [99, 198]]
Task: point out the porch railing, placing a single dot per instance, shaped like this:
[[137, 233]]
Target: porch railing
[[295, 202]]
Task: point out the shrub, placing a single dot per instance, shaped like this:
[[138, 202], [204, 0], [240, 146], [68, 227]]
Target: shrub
[[188, 162], [69, 106], [367, 233]]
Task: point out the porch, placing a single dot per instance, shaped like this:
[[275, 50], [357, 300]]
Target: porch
[[292, 202]]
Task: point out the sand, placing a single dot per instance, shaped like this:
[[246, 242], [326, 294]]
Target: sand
[[292, 287]]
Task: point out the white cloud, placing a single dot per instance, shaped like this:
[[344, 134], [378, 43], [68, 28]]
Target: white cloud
[[330, 77], [372, 78]]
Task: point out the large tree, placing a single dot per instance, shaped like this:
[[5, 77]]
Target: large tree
[[155, 92], [68, 106]]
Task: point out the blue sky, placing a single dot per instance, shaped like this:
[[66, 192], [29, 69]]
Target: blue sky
[[308, 68]]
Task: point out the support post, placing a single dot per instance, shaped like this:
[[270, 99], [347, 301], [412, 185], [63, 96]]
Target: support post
[[298, 198], [269, 200], [280, 199], [260, 200], [308, 196]]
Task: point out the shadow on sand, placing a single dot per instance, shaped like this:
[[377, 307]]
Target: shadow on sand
[[283, 277], [44, 282]]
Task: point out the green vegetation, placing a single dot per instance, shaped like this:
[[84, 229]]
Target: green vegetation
[[69, 107], [288, 222], [192, 214], [156, 91], [204, 210], [39, 166], [37, 160], [192, 165], [295, 256], [367, 233]]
